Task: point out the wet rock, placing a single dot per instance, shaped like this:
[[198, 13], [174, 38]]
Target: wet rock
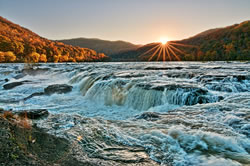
[[19, 76], [14, 84], [34, 113], [241, 78], [163, 68], [149, 116], [158, 68], [33, 95], [57, 88], [6, 80]]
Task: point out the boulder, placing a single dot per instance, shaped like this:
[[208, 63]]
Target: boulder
[[57, 88]]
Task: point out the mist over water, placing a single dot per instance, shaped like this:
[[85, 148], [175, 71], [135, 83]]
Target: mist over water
[[173, 113]]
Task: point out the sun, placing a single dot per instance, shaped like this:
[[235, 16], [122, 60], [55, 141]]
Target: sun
[[163, 40], [165, 50]]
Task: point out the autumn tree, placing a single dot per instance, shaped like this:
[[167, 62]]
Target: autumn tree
[[43, 58], [32, 58], [2, 57], [9, 56]]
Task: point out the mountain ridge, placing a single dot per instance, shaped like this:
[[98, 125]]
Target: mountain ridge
[[106, 46]]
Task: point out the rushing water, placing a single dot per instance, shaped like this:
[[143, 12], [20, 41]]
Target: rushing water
[[188, 113]]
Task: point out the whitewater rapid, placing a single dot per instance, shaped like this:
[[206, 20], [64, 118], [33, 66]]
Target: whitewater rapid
[[174, 113]]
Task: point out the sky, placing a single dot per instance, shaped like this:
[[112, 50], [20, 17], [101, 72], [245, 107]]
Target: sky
[[136, 21]]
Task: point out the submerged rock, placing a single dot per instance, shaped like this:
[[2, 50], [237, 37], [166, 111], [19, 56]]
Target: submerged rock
[[19, 76], [57, 88], [14, 84], [149, 116], [33, 95]]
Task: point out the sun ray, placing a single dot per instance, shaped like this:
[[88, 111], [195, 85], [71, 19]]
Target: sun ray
[[169, 56], [149, 50], [164, 53], [154, 54], [174, 54], [177, 49], [159, 54]]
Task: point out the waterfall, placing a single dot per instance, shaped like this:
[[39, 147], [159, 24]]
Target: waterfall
[[131, 94]]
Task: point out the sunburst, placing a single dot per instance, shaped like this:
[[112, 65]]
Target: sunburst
[[165, 50], [163, 41]]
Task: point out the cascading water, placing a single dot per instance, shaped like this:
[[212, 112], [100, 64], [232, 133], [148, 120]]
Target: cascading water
[[160, 113]]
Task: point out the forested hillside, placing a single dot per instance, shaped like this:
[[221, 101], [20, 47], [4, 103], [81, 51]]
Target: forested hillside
[[18, 44], [229, 43], [220, 44]]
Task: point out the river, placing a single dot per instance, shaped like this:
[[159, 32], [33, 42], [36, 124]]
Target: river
[[173, 113]]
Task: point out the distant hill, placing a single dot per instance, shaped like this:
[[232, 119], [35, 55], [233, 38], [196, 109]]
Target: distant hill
[[18, 44], [107, 47], [220, 44], [133, 55]]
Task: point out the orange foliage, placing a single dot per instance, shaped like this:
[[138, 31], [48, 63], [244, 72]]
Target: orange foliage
[[56, 58], [33, 58], [27, 46], [43, 58], [63, 58], [7, 56], [2, 57]]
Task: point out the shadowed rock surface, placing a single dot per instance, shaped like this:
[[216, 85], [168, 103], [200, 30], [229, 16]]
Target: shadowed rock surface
[[14, 84], [57, 88]]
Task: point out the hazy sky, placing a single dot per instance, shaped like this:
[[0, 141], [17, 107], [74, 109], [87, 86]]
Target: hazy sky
[[137, 21]]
